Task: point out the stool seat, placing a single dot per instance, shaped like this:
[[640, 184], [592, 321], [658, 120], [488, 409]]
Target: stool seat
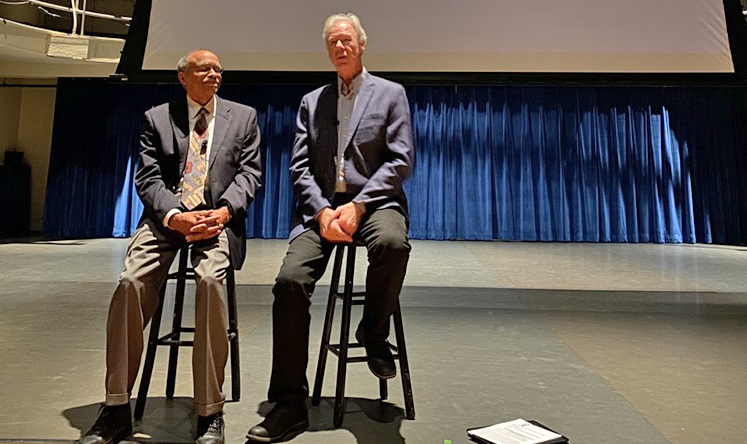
[[350, 298], [173, 339]]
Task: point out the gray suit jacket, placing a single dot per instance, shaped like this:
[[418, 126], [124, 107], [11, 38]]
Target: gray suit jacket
[[379, 151], [234, 168]]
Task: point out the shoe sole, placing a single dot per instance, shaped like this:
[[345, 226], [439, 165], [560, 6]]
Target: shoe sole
[[221, 441], [120, 436], [359, 338], [300, 427], [380, 376]]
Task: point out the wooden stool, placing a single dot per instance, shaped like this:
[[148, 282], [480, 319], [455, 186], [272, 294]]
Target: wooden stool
[[173, 340], [350, 298]]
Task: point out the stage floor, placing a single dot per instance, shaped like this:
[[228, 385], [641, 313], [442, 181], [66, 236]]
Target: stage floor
[[606, 343]]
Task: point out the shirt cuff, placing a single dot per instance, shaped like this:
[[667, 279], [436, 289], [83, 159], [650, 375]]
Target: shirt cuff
[[316, 216], [227, 204], [360, 206], [168, 216]]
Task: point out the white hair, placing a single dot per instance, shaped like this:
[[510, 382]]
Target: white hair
[[345, 17]]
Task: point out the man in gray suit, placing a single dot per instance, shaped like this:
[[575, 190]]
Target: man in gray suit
[[199, 170], [352, 151]]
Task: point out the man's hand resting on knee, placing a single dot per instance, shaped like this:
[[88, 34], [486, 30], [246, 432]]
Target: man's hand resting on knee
[[329, 227], [200, 225]]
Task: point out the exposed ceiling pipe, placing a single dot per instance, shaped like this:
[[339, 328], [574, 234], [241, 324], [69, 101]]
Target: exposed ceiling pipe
[[88, 13], [75, 17], [83, 19]]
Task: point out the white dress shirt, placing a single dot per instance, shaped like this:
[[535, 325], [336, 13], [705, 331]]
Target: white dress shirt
[[345, 107]]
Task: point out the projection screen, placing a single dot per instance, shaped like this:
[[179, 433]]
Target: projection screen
[[605, 36]]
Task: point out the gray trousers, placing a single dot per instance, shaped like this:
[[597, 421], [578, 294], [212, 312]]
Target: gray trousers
[[149, 256]]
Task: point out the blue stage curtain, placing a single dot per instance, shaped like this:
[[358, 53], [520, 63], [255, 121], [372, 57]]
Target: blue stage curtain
[[581, 164]]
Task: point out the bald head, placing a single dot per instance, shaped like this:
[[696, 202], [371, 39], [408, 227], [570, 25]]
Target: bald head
[[200, 73]]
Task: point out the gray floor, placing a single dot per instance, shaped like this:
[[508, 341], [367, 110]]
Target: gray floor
[[605, 343]]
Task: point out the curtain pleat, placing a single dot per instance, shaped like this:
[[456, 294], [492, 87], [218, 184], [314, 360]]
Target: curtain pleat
[[576, 164]]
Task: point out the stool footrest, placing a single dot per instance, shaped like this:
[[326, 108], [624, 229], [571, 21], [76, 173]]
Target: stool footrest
[[358, 298], [359, 345], [175, 342], [335, 349], [175, 333], [168, 338], [190, 274], [352, 359]]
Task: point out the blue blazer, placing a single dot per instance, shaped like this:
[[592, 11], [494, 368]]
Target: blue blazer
[[234, 167], [379, 151]]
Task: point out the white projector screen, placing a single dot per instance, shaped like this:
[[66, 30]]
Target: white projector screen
[[610, 36]]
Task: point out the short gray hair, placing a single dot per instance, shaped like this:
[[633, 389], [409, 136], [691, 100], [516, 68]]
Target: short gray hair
[[183, 64], [345, 17]]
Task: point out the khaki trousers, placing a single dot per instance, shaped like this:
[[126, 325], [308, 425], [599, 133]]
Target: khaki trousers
[[149, 256]]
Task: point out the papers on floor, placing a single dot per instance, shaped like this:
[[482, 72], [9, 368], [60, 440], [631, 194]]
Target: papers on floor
[[517, 431]]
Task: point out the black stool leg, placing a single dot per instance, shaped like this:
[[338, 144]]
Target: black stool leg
[[404, 366], [176, 323], [150, 357], [342, 362], [233, 335], [383, 390], [328, 320]]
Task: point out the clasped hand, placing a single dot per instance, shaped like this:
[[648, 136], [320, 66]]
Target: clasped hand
[[200, 225], [340, 224]]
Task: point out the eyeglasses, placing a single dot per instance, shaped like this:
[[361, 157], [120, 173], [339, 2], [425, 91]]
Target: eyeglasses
[[205, 69], [346, 42]]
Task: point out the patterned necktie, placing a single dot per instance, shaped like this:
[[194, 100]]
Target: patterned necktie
[[346, 90], [193, 183]]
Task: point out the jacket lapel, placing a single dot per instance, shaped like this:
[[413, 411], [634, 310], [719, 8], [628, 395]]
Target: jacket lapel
[[178, 114], [222, 122], [327, 123], [364, 95]]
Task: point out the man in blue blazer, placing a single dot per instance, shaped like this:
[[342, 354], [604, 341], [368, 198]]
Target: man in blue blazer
[[352, 152], [199, 170]]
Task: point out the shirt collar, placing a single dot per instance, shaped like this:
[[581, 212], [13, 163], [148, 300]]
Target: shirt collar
[[194, 107], [355, 84]]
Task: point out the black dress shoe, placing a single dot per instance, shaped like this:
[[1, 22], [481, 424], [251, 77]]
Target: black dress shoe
[[211, 429], [113, 425], [283, 420], [378, 355]]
